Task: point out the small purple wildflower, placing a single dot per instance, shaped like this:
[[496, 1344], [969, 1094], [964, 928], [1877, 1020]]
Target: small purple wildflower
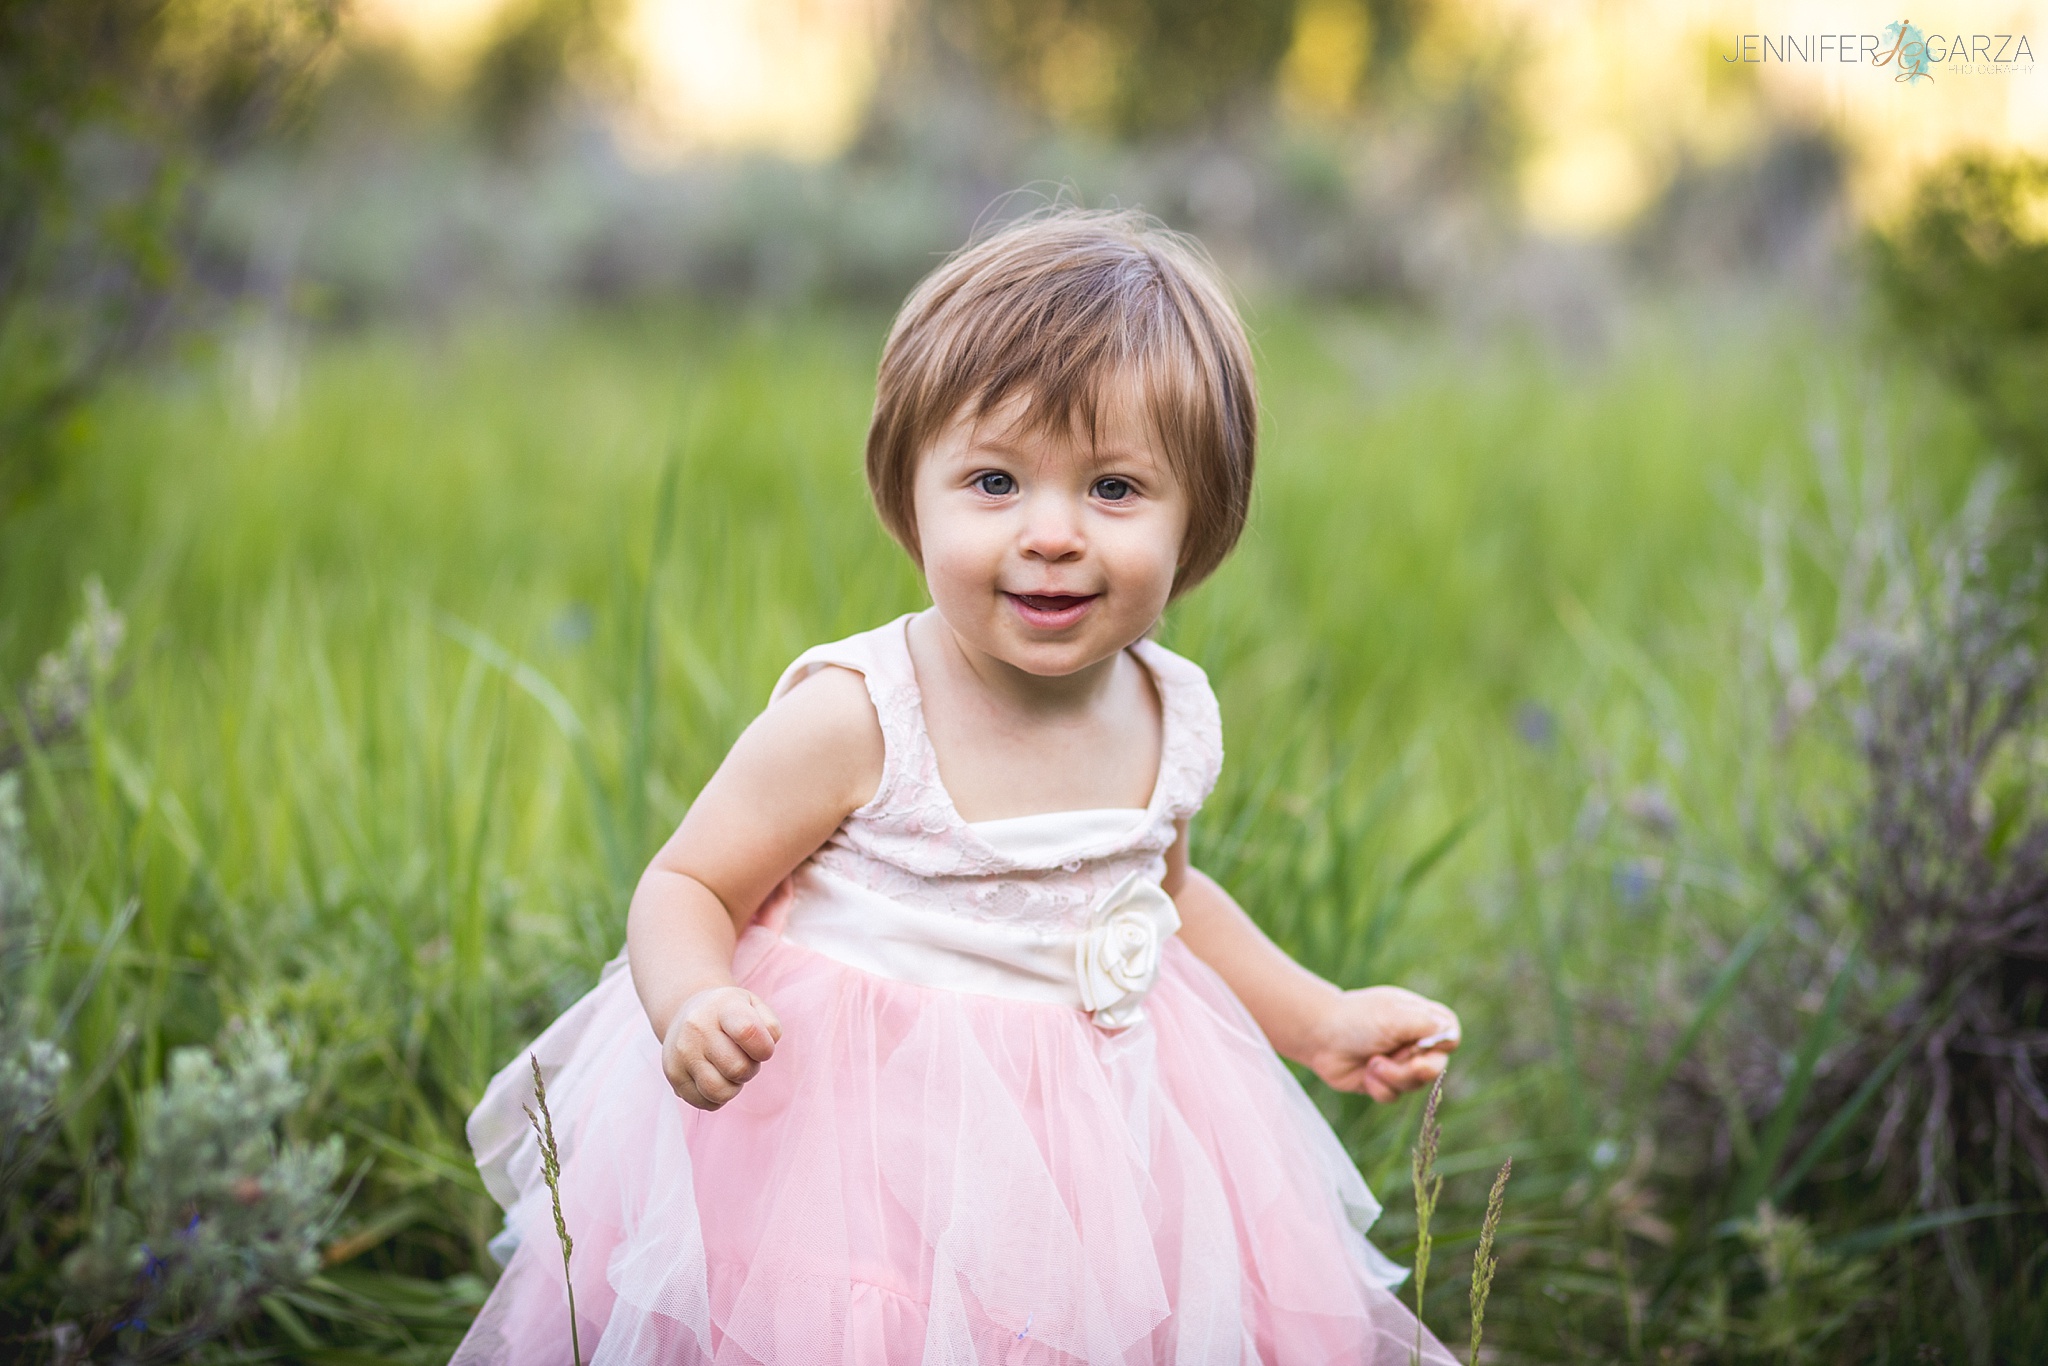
[[1633, 879], [1536, 724]]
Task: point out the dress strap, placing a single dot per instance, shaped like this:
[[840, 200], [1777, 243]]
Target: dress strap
[[1192, 755], [881, 657]]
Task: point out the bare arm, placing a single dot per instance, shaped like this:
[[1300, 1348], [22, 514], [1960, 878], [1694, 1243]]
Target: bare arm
[[790, 779], [1354, 1040]]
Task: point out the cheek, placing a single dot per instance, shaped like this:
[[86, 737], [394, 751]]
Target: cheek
[[953, 544], [1150, 546]]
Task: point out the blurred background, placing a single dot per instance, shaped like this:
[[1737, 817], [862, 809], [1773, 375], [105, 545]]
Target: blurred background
[[330, 164], [427, 427]]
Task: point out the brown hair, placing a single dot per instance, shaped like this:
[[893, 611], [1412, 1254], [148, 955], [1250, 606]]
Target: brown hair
[[1052, 307]]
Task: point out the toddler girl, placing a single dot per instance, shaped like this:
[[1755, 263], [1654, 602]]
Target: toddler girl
[[933, 1047]]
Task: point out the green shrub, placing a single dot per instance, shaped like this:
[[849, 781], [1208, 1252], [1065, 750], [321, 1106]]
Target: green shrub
[[111, 113], [146, 1259], [1801, 1296], [1964, 277], [218, 1213]]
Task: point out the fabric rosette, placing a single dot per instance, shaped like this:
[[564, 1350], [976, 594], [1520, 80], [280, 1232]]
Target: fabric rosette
[[1116, 956]]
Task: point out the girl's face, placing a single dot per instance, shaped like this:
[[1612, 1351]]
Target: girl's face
[[1047, 552]]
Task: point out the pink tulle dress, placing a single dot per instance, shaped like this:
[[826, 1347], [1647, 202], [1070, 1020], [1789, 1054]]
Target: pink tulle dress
[[1012, 1118]]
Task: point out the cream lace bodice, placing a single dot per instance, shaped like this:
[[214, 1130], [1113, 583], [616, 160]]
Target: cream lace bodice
[[910, 844]]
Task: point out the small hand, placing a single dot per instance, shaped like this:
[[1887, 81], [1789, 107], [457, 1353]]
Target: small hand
[[1368, 1041], [716, 1043]]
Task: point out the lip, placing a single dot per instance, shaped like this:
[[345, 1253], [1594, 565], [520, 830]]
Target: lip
[[1052, 611]]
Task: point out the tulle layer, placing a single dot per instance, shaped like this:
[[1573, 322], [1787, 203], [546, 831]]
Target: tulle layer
[[926, 1176]]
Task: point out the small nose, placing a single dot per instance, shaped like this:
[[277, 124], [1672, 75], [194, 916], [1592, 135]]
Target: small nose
[[1052, 530]]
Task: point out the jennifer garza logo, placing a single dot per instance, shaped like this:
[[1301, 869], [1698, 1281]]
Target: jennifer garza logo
[[1908, 53]]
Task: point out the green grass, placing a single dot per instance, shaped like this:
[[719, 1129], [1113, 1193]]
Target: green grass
[[428, 655]]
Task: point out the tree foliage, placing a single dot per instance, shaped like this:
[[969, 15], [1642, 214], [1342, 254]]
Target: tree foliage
[[1965, 280], [1134, 67], [537, 50], [110, 111]]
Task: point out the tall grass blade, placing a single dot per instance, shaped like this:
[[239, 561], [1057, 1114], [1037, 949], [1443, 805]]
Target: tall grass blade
[[110, 940], [1428, 1186], [535, 685], [1778, 1132], [551, 1172], [1838, 1125], [1362, 950], [1484, 1261], [1719, 992], [1436, 851], [1564, 1015], [1887, 1235], [639, 753]]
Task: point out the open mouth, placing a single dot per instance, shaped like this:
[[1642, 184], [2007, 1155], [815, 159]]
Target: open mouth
[[1051, 611]]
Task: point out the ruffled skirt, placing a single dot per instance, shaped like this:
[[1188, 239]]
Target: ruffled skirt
[[927, 1176]]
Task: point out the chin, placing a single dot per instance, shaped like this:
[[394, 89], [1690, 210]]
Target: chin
[[1053, 656], [1053, 660]]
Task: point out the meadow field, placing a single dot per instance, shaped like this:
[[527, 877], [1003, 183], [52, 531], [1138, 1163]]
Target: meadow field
[[1529, 700]]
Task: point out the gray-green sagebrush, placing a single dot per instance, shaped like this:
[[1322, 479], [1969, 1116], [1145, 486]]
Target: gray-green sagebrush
[[431, 639]]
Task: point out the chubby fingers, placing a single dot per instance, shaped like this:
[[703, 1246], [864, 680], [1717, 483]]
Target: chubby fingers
[[1381, 1076], [1428, 1027], [1387, 1079], [1369, 1081], [752, 1026], [717, 1045], [1401, 1075]]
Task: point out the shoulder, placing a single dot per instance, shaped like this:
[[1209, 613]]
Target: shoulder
[[831, 695], [1183, 684], [1170, 667], [880, 654], [822, 730]]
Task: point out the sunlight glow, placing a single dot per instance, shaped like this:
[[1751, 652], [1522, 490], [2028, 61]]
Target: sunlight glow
[[1615, 96], [443, 34], [790, 76]]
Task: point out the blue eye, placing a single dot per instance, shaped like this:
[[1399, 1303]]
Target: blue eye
[[1113, 490], [995, 483]]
